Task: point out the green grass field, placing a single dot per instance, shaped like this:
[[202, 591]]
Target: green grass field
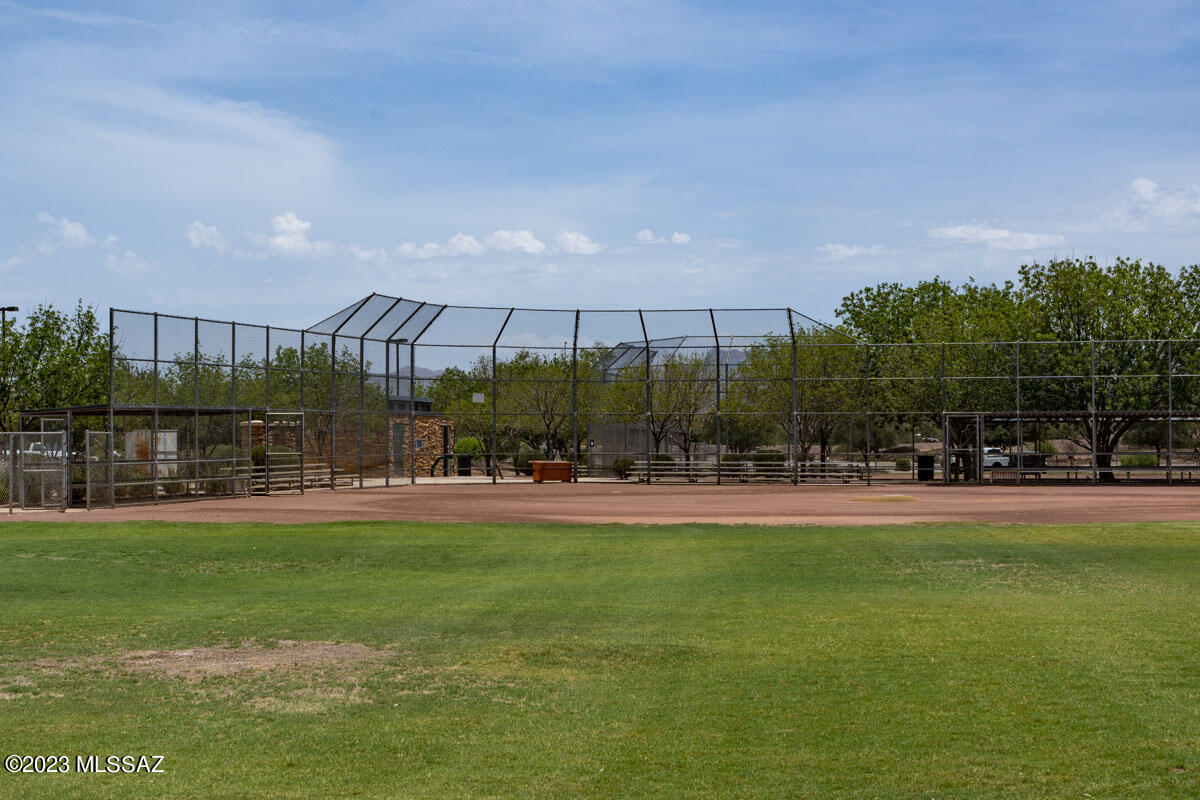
[[607, 661]]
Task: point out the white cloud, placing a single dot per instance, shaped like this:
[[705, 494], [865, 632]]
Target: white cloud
[[410, 250], [1151, 206], [201, 235], [464, 244], [576, 243], [509, 241], [997, 238], [61, 235], [646, 236], [65, 234], [367, 254], [127, 263], [144, 144], [840, 252], [289, 238]]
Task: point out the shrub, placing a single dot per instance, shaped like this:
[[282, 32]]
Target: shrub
[[1139, 460], [621, 467], [769, 462], [663, 458], [523, 462], [280, 456], [903, 465], [469, 446], [1047, 448], [768, 457], [734, 458]]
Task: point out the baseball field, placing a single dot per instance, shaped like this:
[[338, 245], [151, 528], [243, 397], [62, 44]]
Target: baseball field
[[533, 659]]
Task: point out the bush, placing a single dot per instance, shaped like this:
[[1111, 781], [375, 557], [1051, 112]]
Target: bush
[[734, 458], [769, 462], [764, 458], [621, 467], [1139, 460], [280, 456], [903, 465], [469, 446], [663, 458], [1047, 448], [523, 462]]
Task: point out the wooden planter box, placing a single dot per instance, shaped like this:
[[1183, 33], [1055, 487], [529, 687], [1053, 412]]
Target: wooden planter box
[[551, 471]]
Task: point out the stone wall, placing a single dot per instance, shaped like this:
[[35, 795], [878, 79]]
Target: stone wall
[[428, 435]]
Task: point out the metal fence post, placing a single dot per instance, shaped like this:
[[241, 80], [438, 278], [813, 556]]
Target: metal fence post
[[66, 465], [412, 413], [362, 407], [87, 475], [195, 424], [266, 420], [333, 408], [867, 399], [1020, 429], [1170, 411], [649, 444], [717, 340], [1095, 433], [945, 423], [575, 400], [112, 428], [795, 438], [495, 389], [388, 425], [303, 415]]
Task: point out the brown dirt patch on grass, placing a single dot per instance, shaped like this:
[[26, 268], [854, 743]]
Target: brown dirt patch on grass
[[251, 656]]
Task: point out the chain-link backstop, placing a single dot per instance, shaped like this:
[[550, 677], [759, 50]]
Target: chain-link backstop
[[392, 391]]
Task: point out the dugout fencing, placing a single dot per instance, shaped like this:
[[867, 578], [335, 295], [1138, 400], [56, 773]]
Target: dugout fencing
[[391, 390]]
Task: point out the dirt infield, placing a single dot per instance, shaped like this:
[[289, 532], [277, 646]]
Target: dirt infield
[[761, 504]]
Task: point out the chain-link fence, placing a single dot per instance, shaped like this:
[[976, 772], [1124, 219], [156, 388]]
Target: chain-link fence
[[34, 465], [397, 391]]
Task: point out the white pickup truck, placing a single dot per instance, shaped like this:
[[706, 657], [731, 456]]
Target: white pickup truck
[[994, 457]]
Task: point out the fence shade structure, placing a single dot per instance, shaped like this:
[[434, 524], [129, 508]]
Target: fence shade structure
[[390, 390]]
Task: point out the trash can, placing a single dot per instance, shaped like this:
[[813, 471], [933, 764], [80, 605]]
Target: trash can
[[464, 465], [925, 467]]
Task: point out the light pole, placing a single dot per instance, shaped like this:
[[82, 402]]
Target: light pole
[[4, 320]]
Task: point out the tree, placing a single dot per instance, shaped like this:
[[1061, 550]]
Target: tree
[[54, 359], [740, 432], [828, 386], [1077, 318], [683, 393]]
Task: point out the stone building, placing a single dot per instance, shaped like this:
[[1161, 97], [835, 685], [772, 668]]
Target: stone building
[[432, 437]]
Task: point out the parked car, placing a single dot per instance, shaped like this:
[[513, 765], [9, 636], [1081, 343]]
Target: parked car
[[994, 457]]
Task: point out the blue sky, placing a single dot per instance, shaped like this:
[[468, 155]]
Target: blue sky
[[271, 162]]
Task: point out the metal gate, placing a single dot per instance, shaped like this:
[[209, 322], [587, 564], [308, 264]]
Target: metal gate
[[283, 453], [35, 467]]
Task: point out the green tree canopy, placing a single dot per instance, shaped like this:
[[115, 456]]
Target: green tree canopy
[[50, 360]]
